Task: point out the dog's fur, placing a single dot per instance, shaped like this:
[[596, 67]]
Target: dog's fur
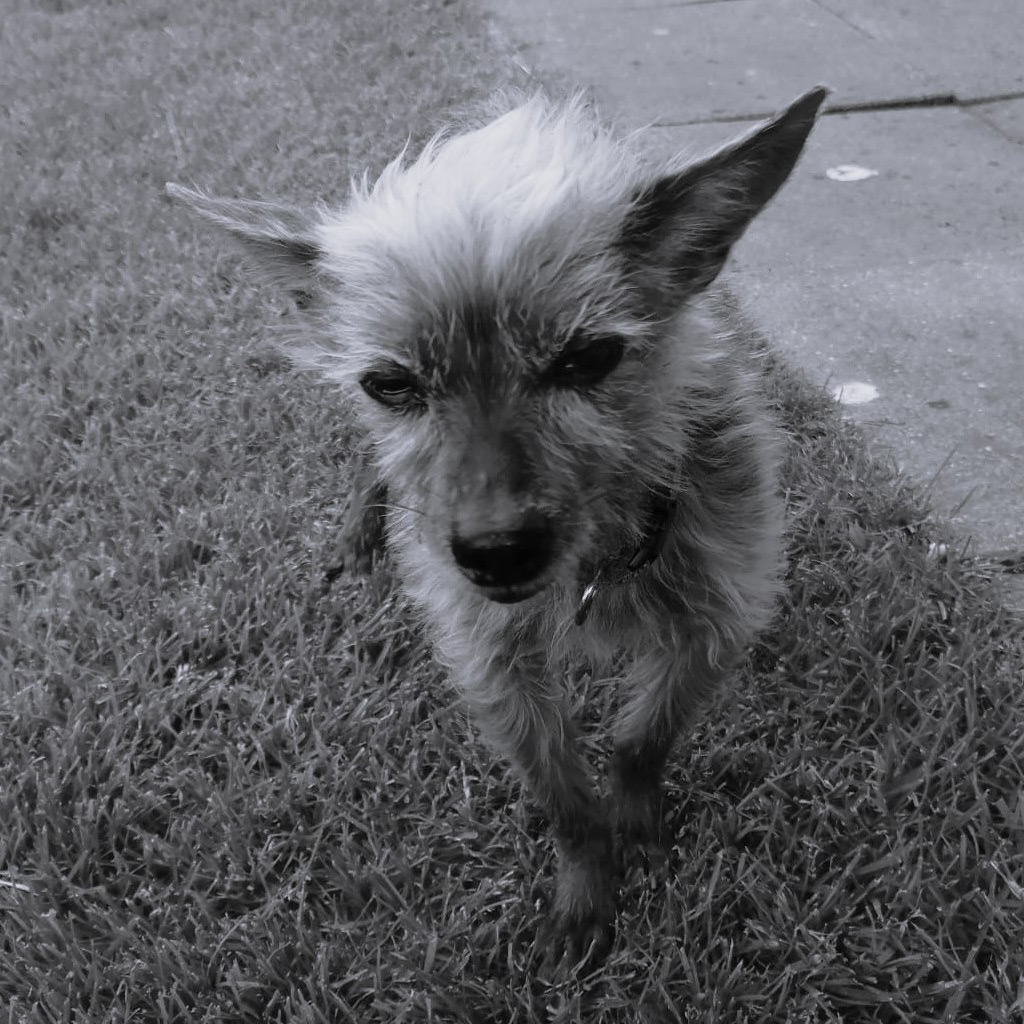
[[520, 321]]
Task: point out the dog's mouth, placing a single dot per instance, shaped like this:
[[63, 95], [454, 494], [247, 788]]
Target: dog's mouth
[[506, 594], [507, 589]]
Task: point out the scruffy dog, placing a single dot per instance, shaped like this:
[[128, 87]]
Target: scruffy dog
[[565, 428]]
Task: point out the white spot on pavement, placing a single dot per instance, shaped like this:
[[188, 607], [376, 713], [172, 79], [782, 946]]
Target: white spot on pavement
[[661, 31], [855, 392], [850, 172]]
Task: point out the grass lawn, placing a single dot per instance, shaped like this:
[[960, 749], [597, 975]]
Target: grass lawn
[[228, 795]]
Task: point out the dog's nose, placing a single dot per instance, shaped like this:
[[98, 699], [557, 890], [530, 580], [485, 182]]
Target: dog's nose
[[503, 558]]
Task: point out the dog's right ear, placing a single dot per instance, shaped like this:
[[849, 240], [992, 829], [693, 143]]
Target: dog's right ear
[[681, 226], [279, 241]]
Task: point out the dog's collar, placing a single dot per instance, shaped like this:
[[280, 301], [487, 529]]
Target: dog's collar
[[626, 565]]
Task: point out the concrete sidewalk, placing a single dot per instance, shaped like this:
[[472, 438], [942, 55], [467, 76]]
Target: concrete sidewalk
[[892, 263]]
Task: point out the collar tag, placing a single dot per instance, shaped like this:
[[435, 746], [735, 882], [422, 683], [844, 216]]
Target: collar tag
[[587, 599]]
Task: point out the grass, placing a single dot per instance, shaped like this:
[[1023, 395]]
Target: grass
[[228, 796]]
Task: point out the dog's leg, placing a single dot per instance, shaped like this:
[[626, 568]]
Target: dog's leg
[[667, 690], [530, 723], [362, 529]]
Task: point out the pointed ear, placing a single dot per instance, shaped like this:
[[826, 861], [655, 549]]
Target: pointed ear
[[279, 241], [681, 227]]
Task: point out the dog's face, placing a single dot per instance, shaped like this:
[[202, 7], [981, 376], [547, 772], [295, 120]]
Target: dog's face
[[506, 318], [518, 425]]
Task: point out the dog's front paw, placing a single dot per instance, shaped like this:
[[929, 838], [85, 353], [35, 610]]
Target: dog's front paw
[[640, 815], [353, 553], [361, 534], [583, 918], [640, 820], [644, 836]]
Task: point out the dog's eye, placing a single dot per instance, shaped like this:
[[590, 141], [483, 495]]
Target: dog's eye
[[393, 388], [586, 360]]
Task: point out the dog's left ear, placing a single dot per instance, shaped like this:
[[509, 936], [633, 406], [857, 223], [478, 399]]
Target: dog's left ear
[[681, 227], [278, 240]]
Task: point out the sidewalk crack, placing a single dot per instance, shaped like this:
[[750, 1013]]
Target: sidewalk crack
[[942, 99]]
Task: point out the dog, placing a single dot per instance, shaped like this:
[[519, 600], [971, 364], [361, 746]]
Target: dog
[[563, 432]]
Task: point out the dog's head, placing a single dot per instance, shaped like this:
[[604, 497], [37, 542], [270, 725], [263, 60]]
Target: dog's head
[[505, 315]]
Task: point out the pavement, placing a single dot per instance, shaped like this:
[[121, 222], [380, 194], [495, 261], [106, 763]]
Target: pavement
[[891, 266]]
